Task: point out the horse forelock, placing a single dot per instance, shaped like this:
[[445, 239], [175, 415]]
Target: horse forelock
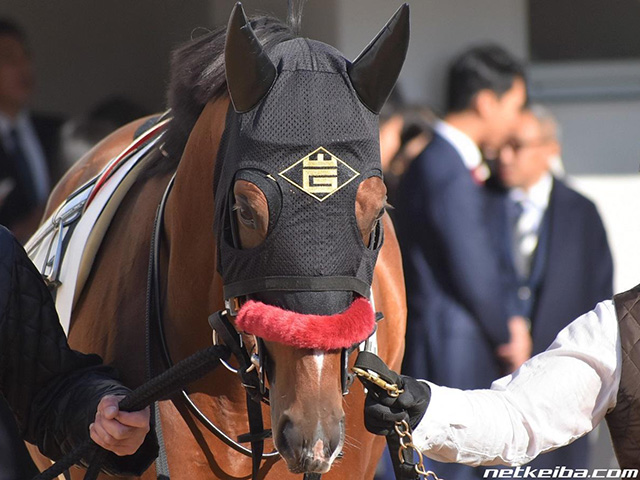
[[197, 76]]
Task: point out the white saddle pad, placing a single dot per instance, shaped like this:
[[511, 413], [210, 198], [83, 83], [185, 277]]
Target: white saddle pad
[[65, 245]]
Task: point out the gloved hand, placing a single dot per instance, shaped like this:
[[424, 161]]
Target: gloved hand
[[381, 411]]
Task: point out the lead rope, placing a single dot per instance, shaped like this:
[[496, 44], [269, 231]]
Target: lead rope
[[374, 373], [159, 388]]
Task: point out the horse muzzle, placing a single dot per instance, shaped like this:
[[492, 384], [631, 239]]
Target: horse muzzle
[[307, 449]]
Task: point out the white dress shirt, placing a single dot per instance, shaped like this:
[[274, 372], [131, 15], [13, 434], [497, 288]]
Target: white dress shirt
[[30, 146], [534, 203], [554, 398], [466, 148]]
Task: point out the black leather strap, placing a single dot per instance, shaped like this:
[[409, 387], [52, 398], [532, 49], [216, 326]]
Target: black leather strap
[[231, 339], [257, 432], [371, 361], [404, 470], [152, 326], [251, 381], [297, 284]]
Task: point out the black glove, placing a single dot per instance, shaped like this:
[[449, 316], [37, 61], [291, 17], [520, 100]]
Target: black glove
[[381, 411]]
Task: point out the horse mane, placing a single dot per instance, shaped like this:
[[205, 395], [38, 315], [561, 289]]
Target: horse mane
[[294, 15], [197, 77]]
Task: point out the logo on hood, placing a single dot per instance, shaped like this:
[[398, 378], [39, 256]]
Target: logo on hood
[[319, 174]]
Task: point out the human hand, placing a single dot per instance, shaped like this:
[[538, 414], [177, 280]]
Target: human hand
[[119, 432], [381, 412], [518, 350]]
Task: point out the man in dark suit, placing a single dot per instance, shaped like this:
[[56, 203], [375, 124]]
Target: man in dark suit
[[553, 246], [457, 315], [28, 142]]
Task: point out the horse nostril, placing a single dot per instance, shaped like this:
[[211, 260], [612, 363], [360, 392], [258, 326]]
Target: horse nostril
[[336, 440], [286, 437]]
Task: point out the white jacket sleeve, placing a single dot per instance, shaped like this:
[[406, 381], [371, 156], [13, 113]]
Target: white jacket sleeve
[[554, 398]]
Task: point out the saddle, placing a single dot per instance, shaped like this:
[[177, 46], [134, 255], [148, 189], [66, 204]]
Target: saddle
[[64, 247]]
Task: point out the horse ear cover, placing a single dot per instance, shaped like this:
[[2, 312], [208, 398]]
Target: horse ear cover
[[374, 73], [249, 71]]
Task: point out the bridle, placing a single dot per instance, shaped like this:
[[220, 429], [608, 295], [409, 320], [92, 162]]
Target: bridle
[[251, 364]]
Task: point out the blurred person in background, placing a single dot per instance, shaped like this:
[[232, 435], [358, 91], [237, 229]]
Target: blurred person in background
[[28, 142], [391, 123], [82, 133], [402, 138], [405, 131], [457, 306], [553, 245]]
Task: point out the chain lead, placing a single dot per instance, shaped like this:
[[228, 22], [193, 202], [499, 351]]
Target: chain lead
[[402, 428], [406, 443]]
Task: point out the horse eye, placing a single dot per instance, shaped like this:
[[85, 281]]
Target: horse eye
[[245, 213]]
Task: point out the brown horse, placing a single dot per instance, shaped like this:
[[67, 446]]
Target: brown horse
[[311, 419]]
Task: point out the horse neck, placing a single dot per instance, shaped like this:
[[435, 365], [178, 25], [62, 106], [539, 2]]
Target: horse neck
[[193, 288]]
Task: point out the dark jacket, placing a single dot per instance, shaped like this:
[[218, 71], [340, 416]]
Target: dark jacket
[[52, 390], [19, 204], [572, 268], [624, 420], [456, 313]]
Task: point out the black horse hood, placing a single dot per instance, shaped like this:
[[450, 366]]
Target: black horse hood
[[308, 143]]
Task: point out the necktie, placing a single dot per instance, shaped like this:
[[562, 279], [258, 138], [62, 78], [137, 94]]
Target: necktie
[[525, 238], [21, 167]]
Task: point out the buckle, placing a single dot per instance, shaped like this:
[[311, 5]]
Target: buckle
[[215, 340], [233, 305]]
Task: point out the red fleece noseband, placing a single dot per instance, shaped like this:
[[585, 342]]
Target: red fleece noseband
[[317, 332]]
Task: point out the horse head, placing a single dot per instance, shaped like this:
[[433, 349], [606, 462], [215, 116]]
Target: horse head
[[298, 202]]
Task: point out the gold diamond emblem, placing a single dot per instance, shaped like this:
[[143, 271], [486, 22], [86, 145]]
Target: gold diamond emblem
[[319, 174]]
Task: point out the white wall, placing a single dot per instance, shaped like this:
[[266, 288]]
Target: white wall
[[600, 137], [618, 200]]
